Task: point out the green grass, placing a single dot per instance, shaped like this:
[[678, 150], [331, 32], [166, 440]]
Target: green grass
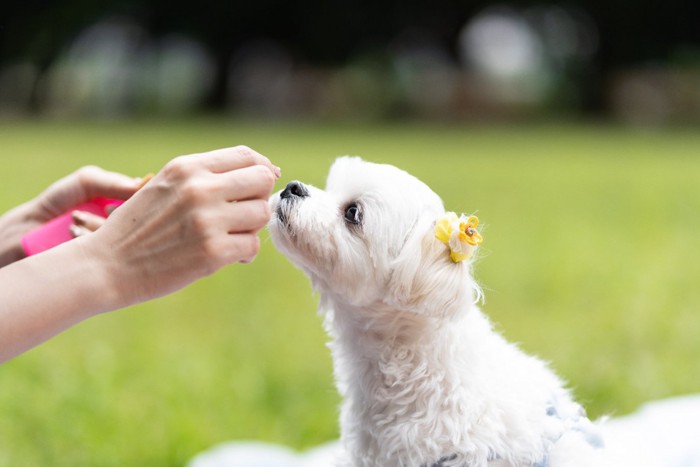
[[591, 260]]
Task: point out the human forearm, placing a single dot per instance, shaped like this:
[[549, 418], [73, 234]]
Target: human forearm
[[47, 293]]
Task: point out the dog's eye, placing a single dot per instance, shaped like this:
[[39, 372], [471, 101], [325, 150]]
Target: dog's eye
[[353, 215]]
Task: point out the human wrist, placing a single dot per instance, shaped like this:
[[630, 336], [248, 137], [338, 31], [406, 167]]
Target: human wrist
[[108, 278]]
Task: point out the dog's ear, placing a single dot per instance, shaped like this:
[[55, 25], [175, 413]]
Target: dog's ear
[[426, 280]]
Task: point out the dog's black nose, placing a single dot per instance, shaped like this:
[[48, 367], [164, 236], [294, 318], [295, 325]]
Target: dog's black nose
[[294, 189]]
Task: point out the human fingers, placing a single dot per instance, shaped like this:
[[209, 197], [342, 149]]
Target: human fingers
[[100, 182], [180, 178], [247, 216], [87, 220], [227, 159], [82, 185], [240, 248], [78, 231], [254, 182]]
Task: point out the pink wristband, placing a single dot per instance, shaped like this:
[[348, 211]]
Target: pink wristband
[[57, 230]]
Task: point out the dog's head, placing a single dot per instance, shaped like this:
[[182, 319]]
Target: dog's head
[[368, 240]]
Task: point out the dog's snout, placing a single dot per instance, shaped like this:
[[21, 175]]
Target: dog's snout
[[294, 189]]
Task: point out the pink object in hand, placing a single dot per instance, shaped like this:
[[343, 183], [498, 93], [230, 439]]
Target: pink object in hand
[[57, 230]]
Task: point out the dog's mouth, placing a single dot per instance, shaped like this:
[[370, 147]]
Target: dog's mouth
[[281, 212], [284, 211]]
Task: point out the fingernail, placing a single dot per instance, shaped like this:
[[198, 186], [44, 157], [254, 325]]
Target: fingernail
[[74, 230], [277, 171], [78, 217]]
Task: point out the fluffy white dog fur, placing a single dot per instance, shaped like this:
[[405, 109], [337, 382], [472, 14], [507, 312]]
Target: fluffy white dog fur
[[425, 379]]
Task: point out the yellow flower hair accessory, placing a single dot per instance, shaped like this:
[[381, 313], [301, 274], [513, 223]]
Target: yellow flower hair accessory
[[459, 234]]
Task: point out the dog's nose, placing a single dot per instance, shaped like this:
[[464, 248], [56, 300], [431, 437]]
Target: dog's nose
[[294, 189]]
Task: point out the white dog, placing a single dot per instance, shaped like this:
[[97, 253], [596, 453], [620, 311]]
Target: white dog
[[426, 381]]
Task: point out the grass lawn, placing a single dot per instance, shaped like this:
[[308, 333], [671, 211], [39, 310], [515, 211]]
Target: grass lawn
[[591, 260]]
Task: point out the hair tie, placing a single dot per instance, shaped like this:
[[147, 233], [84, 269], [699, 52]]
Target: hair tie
[[459, 234]]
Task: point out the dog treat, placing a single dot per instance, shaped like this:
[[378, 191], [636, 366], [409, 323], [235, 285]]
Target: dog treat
[[459, 234], [146, 178], [57, 230]]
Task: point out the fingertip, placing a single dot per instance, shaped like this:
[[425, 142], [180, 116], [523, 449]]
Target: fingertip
[[78, 231], [249, 259], [252, 248], [258, 158], [74, 230], [262, 160], [78, 217], [87, 220]]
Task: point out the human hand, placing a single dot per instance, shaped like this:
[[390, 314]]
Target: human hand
[[198, 214], [85, 222], [82, 185]]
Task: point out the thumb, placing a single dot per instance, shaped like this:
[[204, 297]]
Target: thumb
[[103, 183], [85, 184]]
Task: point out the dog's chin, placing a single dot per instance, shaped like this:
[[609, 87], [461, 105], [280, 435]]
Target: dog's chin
[[290, 237], [285, 232]]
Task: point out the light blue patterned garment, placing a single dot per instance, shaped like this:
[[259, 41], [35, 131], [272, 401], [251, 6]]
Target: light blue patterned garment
[[574, 418]]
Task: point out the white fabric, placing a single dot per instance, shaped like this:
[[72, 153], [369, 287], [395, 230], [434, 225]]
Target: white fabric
[[258, 454], [663, 433]]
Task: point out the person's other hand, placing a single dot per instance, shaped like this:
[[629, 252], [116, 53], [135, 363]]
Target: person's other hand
[[82, 185], [85, 223], [198, 214]]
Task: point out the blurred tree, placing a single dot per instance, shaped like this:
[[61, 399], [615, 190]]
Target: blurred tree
[[333, 31]]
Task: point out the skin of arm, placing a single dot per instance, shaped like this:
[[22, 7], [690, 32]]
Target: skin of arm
[[198, 214]]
